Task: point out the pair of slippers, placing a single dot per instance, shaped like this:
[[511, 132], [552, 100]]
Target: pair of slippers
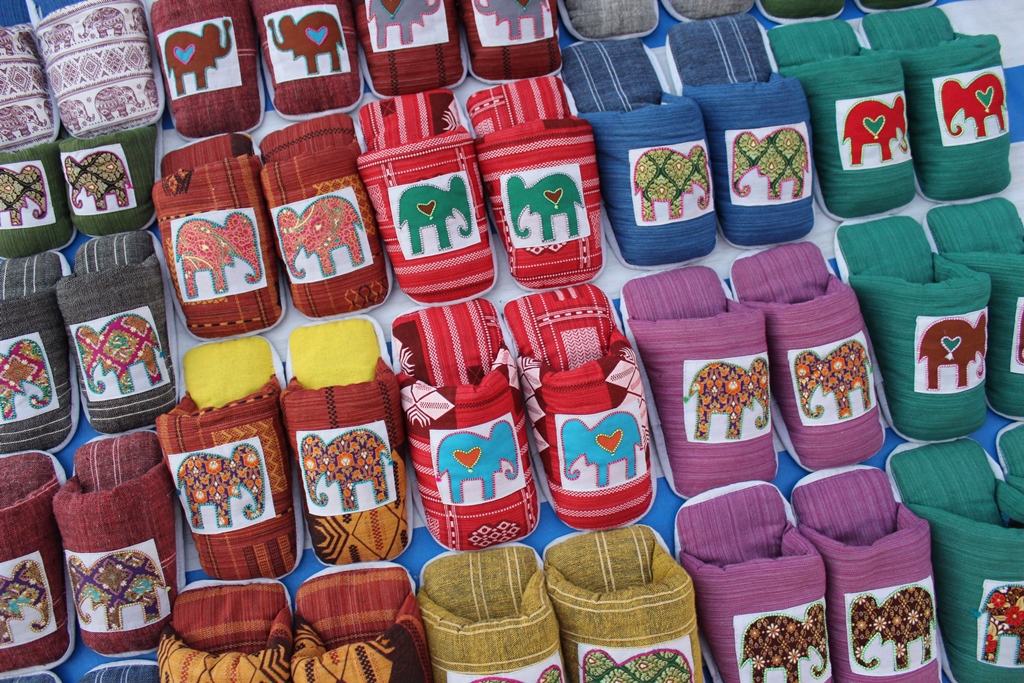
[[587, 21]]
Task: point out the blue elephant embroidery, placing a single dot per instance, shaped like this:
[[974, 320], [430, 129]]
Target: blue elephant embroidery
[[466, 456], [615, 438]]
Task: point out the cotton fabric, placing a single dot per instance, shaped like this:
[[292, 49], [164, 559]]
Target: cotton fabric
[[611, 75]]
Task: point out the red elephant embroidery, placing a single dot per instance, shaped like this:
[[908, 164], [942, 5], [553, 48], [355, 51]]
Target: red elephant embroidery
[[872, 122], [202, 244], [983, 97], [953, 341]]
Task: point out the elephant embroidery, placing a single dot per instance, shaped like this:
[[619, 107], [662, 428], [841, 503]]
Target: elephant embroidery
[[190, 53], [555, 194], [115, 101], [326, 224], [356, 456], [103, 21], [728, 389], [552, 674], [98, 174], [17, 121], [873, 122], [120, 579], [25, 588], [210, 479], [844, 369], [655, 666], [513, 13], [982, 97], [60, 36], [664, 175], [445, 210], [779, 641], [1002, 614], [200, 244], [403, 14], [317, 33], [467, 456], [952, 341], [73, 113], [24, 365], [121, 342], [19, 186], [616, 438], [900, 619], [779, 156]]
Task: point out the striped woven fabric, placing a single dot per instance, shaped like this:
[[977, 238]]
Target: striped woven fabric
[[208, 151], [315, 135], [509, 43]]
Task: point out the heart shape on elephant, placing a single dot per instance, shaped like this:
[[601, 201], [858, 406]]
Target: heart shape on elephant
[[875, 125], [318, 36], [185, 55]]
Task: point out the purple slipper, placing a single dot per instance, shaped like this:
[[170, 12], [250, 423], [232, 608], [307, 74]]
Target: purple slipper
[[881, 609], [690, 336], [821, 367]]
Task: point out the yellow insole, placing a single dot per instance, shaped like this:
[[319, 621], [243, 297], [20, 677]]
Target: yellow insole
[[334, 354], [216, 374]]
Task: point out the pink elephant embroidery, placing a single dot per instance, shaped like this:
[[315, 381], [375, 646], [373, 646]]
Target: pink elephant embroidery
[[326, 224], [202, 244]]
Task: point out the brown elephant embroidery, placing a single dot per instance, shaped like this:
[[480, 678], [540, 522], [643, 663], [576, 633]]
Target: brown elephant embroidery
[[728, 389], [1003, 612], [315, 34], [903, 617], [188, 53], [954, 341], [844, 369], [778, 641]]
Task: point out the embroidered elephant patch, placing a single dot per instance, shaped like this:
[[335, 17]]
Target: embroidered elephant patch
[[544, 207], [306, 42], [873, 131], [512, 22], [1017, 357], [217, 254], [347, 470], [794, 640], [477, 464], [734, 389], [24, 196], [950, 352], [891, 630], [825, 377], [1001, 624], [441, 207], [671, 183], [603, 450], [26, 381], [552, 674], [26, 608], [99, 180], [971, 106], [656, 665], [200, 57], [329, 233], [769, 166], [126, 346], [401, 24]]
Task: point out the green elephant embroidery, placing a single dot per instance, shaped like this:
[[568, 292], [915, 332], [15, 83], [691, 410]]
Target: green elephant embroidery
[[427, 206], [557, 194], [780, 156], [665, 175], [656, 666]]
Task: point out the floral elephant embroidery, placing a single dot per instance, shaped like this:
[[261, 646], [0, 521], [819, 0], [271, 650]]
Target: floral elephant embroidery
[[903, 617], [778, 641], [953, 341], [328, 223], [357, 456], [120, 343], [780, 156], [210, 479], [616, 438], [16, 188], [26, 587], [23, 365], [983, 97], [552, 674], [665, 175], [201, 244], [121, 579], [729, 389], [98, 174], [844, 369], [1004, 609], [657, 665], [102, 21], [188, 53]]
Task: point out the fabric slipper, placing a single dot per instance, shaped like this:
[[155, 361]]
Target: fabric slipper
[[26, 111], [928, 316], [587, 20], [214, 204], [881, 594], [225, 447], [979, 580], [35, 630], [42, 677], [611, 75], [871, 6], [585, 398], [123, 671], [359, 623], [690, 335], [311, 190], [789, 11], [34, 215], [705, 9], [310, 56], [409, 47], [209, 53], [760, 586], [488, 617], [624, 606], [1010, 448], [109, 180], [342, 400], [224, 631], [762, 148], [420, 170], [956, 102], [99, 62], [539, 169], [38, 391], [460, 393], [526, 46], [125, 560], [208, 151], [820, 358], [858, 117], [116, 315]]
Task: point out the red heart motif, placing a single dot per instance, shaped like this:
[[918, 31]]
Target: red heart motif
[[609, 442], [468, 459], [428, 208], [553, 195]]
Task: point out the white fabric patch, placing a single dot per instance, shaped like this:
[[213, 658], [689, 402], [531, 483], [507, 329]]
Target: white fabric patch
[[223, 488], [322, 237], [600, 451], [200, 57], [769, 166], [670, 183], [99, 180], [883, 657], [25, 196], [999, 641], [118, 591], [306, 42], [766, 633], [971, 106], [950, 351], [435, 216], [832, 382], [400, 24], [512, 22], [711, 388], [872, 131], [676, 656], [548, 671], [339, 474], [544, 207], [27, 385], [478, 464], [217, 254], [28, 590], [120, 355], [1017, 352]]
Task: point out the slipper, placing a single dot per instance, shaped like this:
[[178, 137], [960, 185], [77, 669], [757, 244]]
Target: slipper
[[988, 237], [359, 623], [109, 180], [488, 617], [119, 330], [34, 216], [342, 399], [125, 572], [586, 403], [928, 316], [858, 117], [820, 358], [690, 335], [216, 205], [705, 9], [224, 631], [208, 151], [321, 134], [625, 607], [123, 671], [342, 271], [244, 520], [99, 63], [310, 56], [409, 48], [760, 586], [761, 149], [611, 75], [539, 169], [587, 20], [872, 6], [420, 170], [510, 42], [1010, 447], [45, 677], [956, 102], [963, 496], [789, 11], [881, 594], [38, 392], [460, 393], [26, 111], [35, 631]]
